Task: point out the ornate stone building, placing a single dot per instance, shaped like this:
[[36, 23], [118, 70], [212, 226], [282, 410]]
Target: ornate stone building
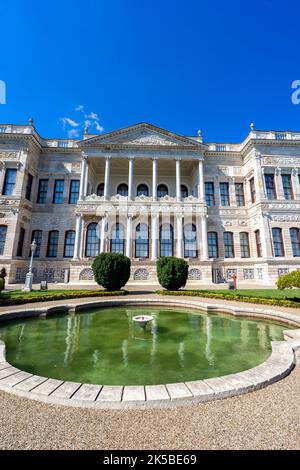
[[147, 192]]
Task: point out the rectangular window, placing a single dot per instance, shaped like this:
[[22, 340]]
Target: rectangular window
[[244, 245], [287, 186], [224, 194], [58, 192], [239, 194], [52, 244], [3, 232], [20, 242], [295, 240], [252, 190], [42, 191], [277, 242], [258, 244], [212, 239], [9, 182], [270, 186], [74, 191], [228, 245], [28, 186], [37, 236], [210, 194]]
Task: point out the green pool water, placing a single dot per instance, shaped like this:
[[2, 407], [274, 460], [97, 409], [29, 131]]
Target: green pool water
[[106, 347]]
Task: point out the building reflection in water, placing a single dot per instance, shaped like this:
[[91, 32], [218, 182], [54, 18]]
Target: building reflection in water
[[72, 337], [208, 330]]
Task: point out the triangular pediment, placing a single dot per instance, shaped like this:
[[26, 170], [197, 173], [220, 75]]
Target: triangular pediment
[[142, 135]]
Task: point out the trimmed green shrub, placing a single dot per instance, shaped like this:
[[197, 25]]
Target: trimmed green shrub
[[1, 284], [49, 296], [235, 297], [172, 272], [111, 270], [289, 280]]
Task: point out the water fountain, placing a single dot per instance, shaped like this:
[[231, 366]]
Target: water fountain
[[142, 320]]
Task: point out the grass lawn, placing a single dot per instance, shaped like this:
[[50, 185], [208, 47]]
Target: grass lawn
[[265, 293]]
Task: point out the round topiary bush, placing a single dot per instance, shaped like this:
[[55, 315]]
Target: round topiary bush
[[289, 280], [111, 270], [172, 272]]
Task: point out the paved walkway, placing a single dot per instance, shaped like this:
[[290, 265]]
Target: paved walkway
[[265, 419]]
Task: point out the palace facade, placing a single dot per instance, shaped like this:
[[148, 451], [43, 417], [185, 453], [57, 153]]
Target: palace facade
[[147, 192]]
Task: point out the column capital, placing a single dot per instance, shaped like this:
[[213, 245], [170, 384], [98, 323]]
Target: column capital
[[277, 171], [178, 159], [154, 159], [84, 156], [131, 157], [108, 157], [295, 171]]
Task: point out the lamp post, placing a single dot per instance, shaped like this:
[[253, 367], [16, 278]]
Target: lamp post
[[29, 276]]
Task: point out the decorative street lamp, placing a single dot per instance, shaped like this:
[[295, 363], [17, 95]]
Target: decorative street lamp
[[29, 276]]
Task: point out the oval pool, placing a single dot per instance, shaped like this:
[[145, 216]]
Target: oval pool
[[105, 346]]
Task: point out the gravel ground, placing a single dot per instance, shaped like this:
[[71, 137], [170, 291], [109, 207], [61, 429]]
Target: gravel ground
[[266, 419]]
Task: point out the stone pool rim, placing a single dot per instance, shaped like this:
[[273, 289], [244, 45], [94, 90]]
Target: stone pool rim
[[278, 365]]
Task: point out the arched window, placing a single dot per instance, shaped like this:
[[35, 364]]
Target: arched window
[[37, 236], [190, 241], [92, 240], [100, 189], [69, 244], [117, 242], [122, 189], [213, 248], [184, 191], [166, 240], [295, 240], [142, 190], [3, 232], [244, 245], [162, 190], [277, 242], [142, 241], [52, 244], [228, 245]]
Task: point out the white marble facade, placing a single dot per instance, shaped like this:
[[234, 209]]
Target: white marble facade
[[147, 192]]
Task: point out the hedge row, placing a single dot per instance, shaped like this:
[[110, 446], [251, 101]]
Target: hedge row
[[238, 298], [43, 297]]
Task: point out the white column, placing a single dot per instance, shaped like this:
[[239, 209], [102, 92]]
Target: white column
[[129, 237], [102, 234], [278, 184], [201, 181], [154, 179], [232, 197], [204, 237], [258, 177], [178, 180], [265, 237], [83, 176], [130, 178], [154, 236], [86, 178], [179, 233], [263, 182], [107, 178], [296, 183], [77, 237]]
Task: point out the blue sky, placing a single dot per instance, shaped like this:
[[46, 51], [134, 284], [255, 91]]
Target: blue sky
[[181, 65]]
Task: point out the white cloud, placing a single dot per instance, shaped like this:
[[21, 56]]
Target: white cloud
[[75, 128], [79, 108], [68, 121], [93, 116], [98, 127], [73, 133]]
